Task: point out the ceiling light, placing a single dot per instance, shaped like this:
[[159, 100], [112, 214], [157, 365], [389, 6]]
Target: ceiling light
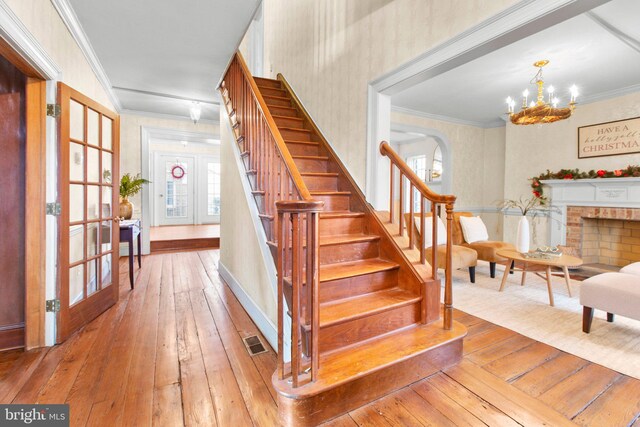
[[195, 111], [540, 111]]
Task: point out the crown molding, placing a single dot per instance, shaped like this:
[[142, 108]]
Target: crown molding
[[126, 111], [13, 31], [483, 125], [70, 19], [614, 93]]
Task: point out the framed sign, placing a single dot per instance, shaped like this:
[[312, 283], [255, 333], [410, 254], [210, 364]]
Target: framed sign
[[609, 139]]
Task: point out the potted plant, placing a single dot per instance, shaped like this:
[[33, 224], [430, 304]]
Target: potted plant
[[533, 206], [129, 186]]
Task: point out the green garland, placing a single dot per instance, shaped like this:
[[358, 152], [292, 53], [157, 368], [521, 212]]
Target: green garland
[[629, 171]]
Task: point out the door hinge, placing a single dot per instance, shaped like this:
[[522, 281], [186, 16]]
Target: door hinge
[[52, 305], [53, 110], [53, 209]]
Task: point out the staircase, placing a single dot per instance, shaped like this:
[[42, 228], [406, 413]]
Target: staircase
[[366, 320]]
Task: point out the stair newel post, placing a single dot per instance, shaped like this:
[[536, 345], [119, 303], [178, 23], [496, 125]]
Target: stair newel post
[[422, 233], [448, 291], [391, 191], [434, 240], [411, 221]]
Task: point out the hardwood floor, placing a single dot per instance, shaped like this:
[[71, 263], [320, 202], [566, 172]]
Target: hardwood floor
[[170, 353]]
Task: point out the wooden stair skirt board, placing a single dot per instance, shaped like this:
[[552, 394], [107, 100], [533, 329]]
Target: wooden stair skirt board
[[353, 377], [380, 327], [184, 244]]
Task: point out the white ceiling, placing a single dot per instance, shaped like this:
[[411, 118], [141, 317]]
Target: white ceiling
[[598, 51], [159, 55]]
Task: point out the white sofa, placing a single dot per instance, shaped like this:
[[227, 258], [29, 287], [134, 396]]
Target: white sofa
[[615, 293]]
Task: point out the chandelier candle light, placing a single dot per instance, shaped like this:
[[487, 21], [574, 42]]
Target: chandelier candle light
[[539, 111]]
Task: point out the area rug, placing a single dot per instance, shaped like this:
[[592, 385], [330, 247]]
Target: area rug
[[526, 310]]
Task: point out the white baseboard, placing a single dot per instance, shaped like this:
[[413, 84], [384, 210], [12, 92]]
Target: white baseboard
[[256, 314]]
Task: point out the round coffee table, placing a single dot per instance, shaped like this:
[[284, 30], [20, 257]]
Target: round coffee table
[[538, 264]]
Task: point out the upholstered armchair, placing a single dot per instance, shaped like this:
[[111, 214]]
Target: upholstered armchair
[[486, 250], [461, 257]]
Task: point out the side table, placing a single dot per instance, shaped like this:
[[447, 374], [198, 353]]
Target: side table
[[129, 230]]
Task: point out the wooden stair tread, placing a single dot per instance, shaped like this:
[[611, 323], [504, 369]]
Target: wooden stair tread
[[341, 214], [281, 98], [326, 174], [289, 128], [296, 156], [291, 141], [343, 270], [264, 79], [330, 193], [275, 116], [349, 364], [343, 310]]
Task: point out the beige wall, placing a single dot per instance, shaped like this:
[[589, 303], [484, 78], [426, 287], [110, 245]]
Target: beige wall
[[240, 251], [478, 165], [330, 50], [44, 23], [130, 142]]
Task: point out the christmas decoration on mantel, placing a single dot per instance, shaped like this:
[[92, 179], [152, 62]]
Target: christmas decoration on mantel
[[574, 174]]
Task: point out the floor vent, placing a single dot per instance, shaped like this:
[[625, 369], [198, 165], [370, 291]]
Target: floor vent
[[254, 345]]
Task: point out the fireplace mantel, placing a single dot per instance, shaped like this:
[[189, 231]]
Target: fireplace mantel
[[599, 192]]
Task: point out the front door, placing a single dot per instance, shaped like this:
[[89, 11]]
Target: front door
[[174, 189], [89, 234]]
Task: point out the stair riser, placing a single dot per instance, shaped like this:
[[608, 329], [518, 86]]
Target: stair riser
[[321, 183], [303, 149], [334, 203], [277, 102], [282, 111], [316, 409], [341, 225], [267, 83], [288, 122], [272, 91], [353, 331], [359, 285], [311, 165], [295, 135]]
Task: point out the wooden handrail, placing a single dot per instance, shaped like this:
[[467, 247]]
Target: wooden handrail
[[386, 150], [415, 183], [275, 132]]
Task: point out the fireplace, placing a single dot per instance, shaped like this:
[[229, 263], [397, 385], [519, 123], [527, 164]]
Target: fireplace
[[600, 218], [609, 236]]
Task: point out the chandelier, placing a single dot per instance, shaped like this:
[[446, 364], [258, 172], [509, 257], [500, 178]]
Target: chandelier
[[539, 111]]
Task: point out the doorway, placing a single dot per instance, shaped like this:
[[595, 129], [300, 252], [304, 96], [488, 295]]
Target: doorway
[[12, 208], [184, 193]]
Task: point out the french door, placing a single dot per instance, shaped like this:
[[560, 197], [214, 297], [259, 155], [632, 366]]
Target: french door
[[89, 189], [209, 190], [174, 189]]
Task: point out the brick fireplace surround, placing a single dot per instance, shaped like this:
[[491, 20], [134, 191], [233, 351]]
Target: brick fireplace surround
[[604, 235]]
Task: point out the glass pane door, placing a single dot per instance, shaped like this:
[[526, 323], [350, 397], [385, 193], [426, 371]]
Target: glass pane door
[[88, 164], [175, 198], [209, 190]]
